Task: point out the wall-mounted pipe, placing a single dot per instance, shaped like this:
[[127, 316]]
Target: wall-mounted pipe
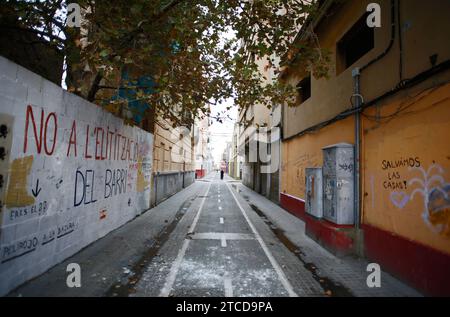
[[358, 102], [356, 74]]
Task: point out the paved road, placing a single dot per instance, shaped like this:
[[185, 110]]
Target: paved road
[[222, 248]]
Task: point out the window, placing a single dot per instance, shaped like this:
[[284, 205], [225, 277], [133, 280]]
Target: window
[[304, 89], [354, 44]]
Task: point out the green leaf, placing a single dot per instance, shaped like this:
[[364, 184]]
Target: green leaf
[[104, 53]]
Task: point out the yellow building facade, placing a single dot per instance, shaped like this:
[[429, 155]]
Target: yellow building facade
[[404, 135]]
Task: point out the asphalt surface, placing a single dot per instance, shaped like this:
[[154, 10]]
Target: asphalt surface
[[222, 248]]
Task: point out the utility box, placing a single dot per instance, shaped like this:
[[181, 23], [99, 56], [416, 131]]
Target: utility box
[[314, 190], [338, 183]]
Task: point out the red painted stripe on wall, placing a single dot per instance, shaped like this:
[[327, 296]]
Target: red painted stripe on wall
[[294, 205], [424, 268], [333, 237]]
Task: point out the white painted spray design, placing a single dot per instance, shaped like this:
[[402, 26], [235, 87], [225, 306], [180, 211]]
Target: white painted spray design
[[429, 185], [434, 191]]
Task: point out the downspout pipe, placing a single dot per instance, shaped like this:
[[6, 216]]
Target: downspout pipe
[[357, 150], [356, 74]]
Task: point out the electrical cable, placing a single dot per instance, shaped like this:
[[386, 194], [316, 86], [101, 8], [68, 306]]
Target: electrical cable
[[406, 83]]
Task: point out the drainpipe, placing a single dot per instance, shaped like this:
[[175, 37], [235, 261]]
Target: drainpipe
[[156, 188], [356, 73], [358, 102]]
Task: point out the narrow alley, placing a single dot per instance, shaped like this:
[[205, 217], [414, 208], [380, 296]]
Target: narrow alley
[[214, 148], [215, 238]]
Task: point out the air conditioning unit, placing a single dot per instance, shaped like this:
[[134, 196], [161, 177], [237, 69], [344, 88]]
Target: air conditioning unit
[[338, 183], [314, 201]]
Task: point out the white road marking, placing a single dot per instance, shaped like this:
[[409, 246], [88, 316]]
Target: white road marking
[[168, 285], [221, 235], [218, 200], [223, 242], [228, 286], [220, 208], [221, 220], [283, 279]]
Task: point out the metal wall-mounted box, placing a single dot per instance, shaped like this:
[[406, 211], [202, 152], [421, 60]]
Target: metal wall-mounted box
[[314, 189], [338, 183]]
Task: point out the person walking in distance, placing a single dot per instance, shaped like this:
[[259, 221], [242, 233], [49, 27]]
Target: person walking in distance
[[221, 174]]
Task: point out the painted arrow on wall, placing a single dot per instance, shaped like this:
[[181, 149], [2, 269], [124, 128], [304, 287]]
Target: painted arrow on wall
[[37, 191]]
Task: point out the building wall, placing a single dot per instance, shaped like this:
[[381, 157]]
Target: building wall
[[330, 96], [407, 168], [71, 173], [172, 152], [405, 185], [405, 149], [306, 151], [203, 160], [235, 158], [251, 119], [173, 160], [406, 221]]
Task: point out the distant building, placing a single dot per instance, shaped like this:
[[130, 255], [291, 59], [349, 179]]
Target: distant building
[[226, 158], [235, 158], [203, 155], [260, 124]]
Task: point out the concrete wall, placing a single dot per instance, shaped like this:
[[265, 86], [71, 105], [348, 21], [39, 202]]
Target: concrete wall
[[189, 178], [72, 173], [166, 184]]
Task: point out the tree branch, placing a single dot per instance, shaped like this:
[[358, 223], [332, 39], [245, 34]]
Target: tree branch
[[95, 87]]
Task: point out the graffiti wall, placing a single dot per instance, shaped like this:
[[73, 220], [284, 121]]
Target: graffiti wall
[[70, 173], [407, 168]]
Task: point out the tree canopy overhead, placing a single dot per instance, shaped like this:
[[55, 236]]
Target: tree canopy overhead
[[196, 52]]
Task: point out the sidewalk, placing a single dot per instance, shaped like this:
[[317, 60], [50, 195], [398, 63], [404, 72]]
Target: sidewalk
[[342, 274]]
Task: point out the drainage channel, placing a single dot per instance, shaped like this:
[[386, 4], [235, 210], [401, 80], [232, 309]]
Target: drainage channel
[[330, 287], [120, 289]]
